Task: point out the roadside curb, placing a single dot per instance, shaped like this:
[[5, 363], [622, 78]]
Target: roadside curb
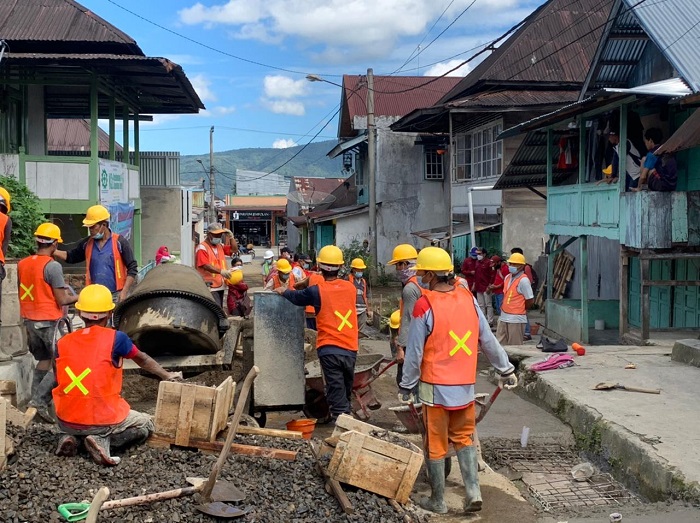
[[632, 461]]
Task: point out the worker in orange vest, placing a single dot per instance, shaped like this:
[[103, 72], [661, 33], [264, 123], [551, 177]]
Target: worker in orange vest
[[5, 234], [447, 330], [517, 299], [211, 262], [282, 277], [109, 259], [89, 375], [42, 294], [404, 259], [336, 320]]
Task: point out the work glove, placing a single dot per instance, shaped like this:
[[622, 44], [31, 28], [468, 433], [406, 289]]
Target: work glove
[[226, 274], [508, 381], [406, 397]]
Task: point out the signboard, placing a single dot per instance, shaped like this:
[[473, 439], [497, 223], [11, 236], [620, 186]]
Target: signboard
[[251, 215], [114, 182], [121, 220]]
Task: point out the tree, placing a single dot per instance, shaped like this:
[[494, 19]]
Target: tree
[[26, 216]]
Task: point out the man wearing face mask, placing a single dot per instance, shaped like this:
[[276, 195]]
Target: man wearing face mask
[[108, 257], [404, 259], [447, 331], [211, 262], [517, 298], [282, 277], [469, 267], [482, 280], [356, 277]]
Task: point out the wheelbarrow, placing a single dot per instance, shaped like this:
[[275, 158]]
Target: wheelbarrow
[[411, 417], [368, 367]]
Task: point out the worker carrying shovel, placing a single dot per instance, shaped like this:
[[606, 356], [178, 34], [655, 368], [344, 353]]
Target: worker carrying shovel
[[444, 336], [336, 321], [89, 374]]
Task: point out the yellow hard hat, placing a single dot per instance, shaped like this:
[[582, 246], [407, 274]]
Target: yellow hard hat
[[330, 255], [236, 278], [434, 259], [608, 170], [49, 230], [5, 196], [95, 298], [517, 259], [358, 263], [403, 252], [395, 319], [96, 214], [283, 266]]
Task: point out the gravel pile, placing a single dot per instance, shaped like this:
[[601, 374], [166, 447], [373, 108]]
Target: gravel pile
[[290, 491]]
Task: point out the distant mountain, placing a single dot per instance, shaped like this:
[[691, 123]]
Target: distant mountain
[[311, 162]]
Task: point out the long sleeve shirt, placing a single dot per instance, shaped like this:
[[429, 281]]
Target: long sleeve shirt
[[448, 396], [409, 295]]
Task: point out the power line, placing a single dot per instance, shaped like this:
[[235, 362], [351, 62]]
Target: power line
[[237, 129], [206, 46]]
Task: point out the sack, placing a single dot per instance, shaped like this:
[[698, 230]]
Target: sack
[[245, 306], [555, 361], [547, 345]]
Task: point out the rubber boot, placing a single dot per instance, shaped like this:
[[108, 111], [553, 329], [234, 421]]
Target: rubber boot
[[436, 502], [469, 466], [98, 448], [131, 436], [37, 378], [40, 400]]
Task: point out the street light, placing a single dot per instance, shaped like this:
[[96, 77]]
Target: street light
[[371, 155]]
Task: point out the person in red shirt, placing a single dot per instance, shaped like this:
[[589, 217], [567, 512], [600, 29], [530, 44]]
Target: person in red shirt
[[469, 267], [237, 300], [483, 278], [500, 271]]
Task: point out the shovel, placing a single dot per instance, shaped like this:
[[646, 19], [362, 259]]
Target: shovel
[[208, 504], [619, 386], [486, 406]]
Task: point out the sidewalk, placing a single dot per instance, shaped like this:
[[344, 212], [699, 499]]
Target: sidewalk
[[651, 442]]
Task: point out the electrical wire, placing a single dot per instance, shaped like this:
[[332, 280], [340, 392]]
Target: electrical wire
[[237, 129]]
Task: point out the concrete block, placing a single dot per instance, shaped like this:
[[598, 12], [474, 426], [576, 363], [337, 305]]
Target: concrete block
[[20, 371], [687, 351]]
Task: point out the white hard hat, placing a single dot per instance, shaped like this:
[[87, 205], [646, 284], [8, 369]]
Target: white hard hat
[[269, 255]]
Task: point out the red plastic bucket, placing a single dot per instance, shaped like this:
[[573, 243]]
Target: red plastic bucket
[[305, 426]]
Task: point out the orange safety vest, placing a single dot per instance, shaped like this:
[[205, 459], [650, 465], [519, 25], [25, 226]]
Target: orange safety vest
[[277, 283], [314, 279], [459, 281], [216, 259], [450, 352], [513, 301], [89, 385], [3, 223], [36, 299], [336, 321], [119, 271], [351, 279]]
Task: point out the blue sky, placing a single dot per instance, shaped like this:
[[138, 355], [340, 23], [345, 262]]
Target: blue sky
[[324, 37]]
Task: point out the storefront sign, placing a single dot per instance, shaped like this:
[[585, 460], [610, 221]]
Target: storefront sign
[[251, 215], [114, 182]]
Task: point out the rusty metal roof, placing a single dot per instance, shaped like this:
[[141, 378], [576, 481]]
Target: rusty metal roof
[[394, 96], [555, 44], [515, 98], [62, 26], [74, 135], [308, 186]]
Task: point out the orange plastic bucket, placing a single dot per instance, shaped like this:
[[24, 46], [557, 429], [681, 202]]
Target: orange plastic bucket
[[579, 349], [305, 426]]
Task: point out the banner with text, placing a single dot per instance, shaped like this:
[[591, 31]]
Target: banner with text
[[121, 219], [114, 183]]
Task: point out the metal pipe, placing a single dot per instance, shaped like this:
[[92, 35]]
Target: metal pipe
[[372, 168]]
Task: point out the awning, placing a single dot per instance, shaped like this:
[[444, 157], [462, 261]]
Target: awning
[[347, 145], [458, 229], [685, 137], [428, 120]]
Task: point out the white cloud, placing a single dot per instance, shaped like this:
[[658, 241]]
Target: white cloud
[[280, 86], [443, 67], [290, 107], [233, 12], [283, 143], [201, 86], [222, 110]]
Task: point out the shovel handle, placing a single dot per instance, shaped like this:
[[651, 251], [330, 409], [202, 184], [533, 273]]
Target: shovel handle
[[240, 405], [488, 404], [150, 498]]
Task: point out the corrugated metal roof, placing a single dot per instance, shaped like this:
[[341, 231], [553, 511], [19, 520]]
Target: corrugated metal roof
[[393, 96], [674, 26], [64, 23], [555, 44], [515, 98], [307, 186], [528, 167], [685, 137], [346, 145], [64, 134], [257, 203]]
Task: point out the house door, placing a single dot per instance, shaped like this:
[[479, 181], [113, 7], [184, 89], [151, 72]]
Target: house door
[[659, 297], [325, 235], [686, 300]]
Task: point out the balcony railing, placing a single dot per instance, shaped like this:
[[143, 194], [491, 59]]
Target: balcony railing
[[583, 209]]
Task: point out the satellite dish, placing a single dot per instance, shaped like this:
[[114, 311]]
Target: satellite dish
[[310, 197]]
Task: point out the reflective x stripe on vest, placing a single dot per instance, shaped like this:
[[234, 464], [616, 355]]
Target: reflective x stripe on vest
[[450, 352], [336, 321], [513, 301], [36, 299], [27, 291], [76, 381]]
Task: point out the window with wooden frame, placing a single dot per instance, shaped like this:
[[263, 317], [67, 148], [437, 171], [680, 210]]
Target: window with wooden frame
[[434, 162], [477, 153]]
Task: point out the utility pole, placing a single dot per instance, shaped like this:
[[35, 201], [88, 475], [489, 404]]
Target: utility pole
[[372, 168], [212, 182]]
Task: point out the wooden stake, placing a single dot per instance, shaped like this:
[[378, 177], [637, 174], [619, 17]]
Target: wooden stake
[[332, 485], [156, 440]]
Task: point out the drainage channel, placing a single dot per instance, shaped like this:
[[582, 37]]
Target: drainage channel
[[544, 472]]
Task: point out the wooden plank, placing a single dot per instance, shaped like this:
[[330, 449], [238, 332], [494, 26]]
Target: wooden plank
[[221, 407], [410, 474], [3, 432], [16, 417], [350, 455], [214, 447], [272, 433], [671, 283], [332, 484], [347, 423], [382, 447], [185, 414], [646, 298]]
